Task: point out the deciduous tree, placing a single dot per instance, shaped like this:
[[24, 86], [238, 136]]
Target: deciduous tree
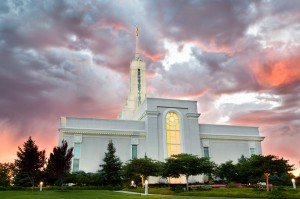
[[268, 165], [187, 165], [251, 170], [7, 173], [142, 167]]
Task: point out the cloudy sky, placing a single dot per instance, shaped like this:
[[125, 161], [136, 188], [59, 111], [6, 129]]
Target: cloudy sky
[[238, 59]]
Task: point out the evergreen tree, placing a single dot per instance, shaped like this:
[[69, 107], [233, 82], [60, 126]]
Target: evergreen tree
[[111, 168], [30, 161], [60, 162], [21, 179]]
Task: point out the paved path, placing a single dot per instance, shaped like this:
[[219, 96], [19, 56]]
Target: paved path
[[135, 193], [129, 192]]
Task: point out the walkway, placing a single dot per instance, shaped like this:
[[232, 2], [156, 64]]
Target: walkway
[[204, 197]]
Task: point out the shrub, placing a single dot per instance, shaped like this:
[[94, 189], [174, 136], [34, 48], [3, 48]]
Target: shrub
[[276, 193], [203, 188], [231, 185], [177, 189]]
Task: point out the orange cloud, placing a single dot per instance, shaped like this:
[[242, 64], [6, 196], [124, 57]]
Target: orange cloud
[[211, 46], [116, 26], [275, 72], [154, 57], [150, 75]]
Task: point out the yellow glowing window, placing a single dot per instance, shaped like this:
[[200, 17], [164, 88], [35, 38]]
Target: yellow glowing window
[[173, 134]]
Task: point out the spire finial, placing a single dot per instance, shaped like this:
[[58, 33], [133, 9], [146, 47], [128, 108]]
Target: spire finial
[[136, 42], [137, 31]]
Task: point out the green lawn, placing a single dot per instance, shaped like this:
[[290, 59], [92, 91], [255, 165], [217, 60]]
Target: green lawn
[[282, 192], [99, 194], [80, 194]]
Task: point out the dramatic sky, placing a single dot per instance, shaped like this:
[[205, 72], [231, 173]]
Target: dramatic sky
[[238, 59]]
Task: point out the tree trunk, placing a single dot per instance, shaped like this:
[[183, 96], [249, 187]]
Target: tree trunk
[[187, 182], [267, 180], [31, 180], [32, 188], [143, 183], [62, 184]]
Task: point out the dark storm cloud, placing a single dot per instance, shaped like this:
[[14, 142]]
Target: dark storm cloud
[[40, 77], [215, 24]]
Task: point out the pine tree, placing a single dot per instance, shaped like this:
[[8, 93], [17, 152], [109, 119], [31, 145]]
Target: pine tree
[[30, 160], [60, 162], [111, 168]]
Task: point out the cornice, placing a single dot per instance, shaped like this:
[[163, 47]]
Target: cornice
[[149, 114], [102, 132], [231, 137], [152, 113], [193, 115]]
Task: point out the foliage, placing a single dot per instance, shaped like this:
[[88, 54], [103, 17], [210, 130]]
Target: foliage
[[141, 167], [243, 169], [269, 164], [80, 178], [7, 173], [59, 163], [187, 165], [266, 165], [30, 161], [111, 168], [177, 189], [22, 179], [252, 170], [226, 171]]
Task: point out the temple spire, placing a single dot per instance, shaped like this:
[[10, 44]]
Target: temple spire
[[138, 83]]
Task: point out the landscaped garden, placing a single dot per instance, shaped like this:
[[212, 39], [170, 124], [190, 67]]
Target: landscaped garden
[[248, 178]]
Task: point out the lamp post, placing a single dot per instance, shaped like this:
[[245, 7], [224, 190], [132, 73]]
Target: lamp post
[[146, 187], [294, 184], [41, 186]]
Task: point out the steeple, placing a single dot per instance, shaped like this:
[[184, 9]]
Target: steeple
[[138, 83]]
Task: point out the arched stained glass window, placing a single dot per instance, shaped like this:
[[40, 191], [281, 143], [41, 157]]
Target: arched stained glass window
[[173, 134]]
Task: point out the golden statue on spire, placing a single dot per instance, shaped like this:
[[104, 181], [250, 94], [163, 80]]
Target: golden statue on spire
[[136, 31]]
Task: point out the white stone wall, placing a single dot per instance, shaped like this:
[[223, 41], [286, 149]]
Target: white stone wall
[[93, 148], [229, 142], [148, 130]]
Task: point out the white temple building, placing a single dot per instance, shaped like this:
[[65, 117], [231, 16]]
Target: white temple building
[[156, 127]]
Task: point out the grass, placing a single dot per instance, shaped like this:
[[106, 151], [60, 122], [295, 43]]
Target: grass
[[80, 194], [220, 193], [230, 192]]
